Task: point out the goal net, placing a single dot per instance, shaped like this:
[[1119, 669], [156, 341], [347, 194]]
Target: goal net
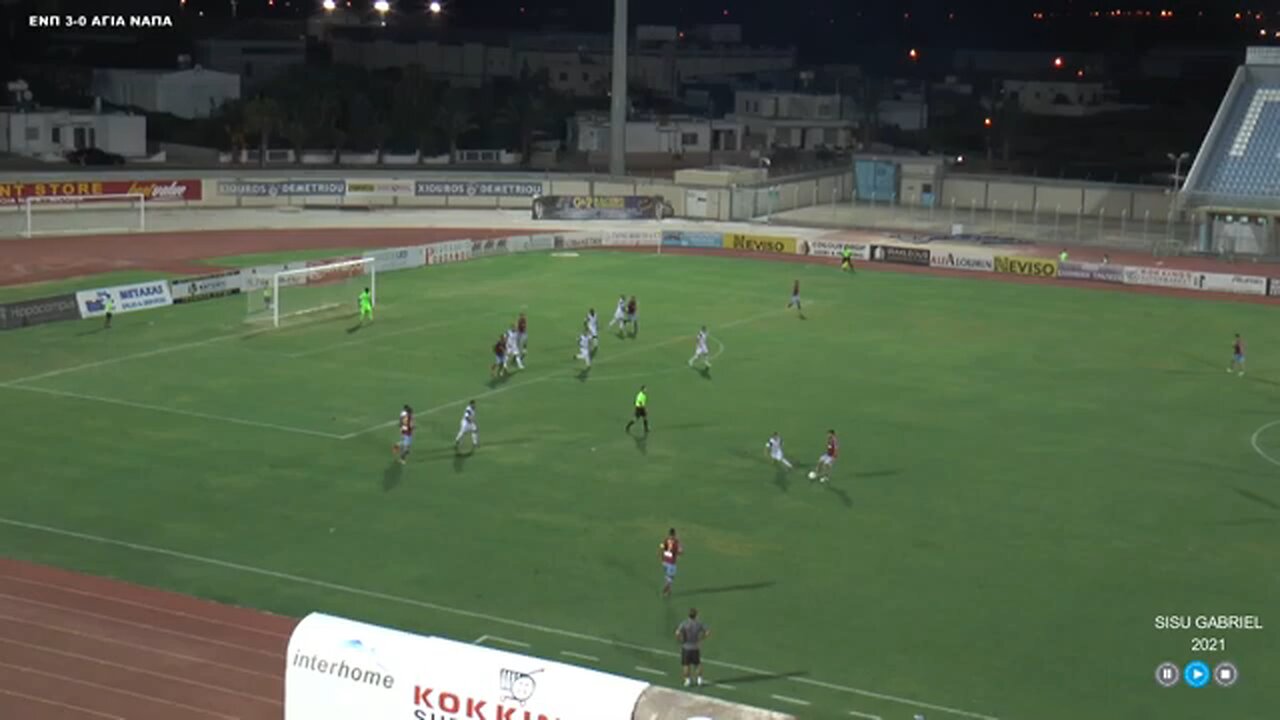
[[321, 290], [72, 214]]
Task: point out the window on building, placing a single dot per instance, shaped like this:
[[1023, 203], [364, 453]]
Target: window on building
[[564, 77], [56, 135], [689, 138], [586, 77], [33, 134]]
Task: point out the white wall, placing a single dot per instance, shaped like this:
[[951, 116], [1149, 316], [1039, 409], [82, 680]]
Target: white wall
[[32, 133]]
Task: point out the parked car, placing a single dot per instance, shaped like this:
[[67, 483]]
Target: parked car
[[94, 156]]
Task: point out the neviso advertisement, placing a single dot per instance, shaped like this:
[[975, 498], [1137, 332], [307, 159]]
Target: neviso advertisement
[[600, 207], [679, 238], [951, 260], [900, 255], [1160, 277], [36, 312], [1029, 267], [282, 188], [760, 243], [128, 298], [206, 287], [1091, 271], [477, 189], [339, 669], [828, 248]]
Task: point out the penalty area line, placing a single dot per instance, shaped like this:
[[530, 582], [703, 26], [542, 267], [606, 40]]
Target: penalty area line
[[464, 613]]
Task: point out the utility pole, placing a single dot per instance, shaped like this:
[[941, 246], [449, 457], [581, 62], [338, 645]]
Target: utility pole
[[618, 106]]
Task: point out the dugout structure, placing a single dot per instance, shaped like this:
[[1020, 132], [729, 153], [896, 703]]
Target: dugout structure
[[1233, 188]]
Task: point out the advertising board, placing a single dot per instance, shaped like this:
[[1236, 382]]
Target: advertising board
[[282, 188], [543, 242], [1102, 272], [632, 238], [338, 669], [1236, 284], [1026, 266], [600, 207], [449, 251], [493, 246], [12, 193], [777, 245], [402, 258], [39, 311], [900, 255], [1273, 287], [476, 189], [1160, 277], [206, 287], [128, 298], [380, 188], [832, 249], [579, 240], [680, 238], [962, 260]]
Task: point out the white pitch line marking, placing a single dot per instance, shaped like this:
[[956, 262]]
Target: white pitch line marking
[[650, 671], [480, 640], [134, 356], [868, 716], [504, 641], [171, 411], [471, 614], [789, 699], [579, 656], [1257, 448], [725, 686]]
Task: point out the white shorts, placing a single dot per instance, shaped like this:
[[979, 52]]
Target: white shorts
[[466, 427], [702, 350], [776, 455], [512, 351], [826, 460], [584, 354]]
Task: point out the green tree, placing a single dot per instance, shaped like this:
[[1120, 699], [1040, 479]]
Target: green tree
[[453, 118], [526, 110], [411, 122], [262, 117]]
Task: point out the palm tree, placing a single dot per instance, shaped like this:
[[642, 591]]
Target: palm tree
[[262, 117], [231, 118], [453, 119]]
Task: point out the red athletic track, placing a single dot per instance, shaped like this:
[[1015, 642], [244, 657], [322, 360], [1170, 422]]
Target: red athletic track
[[74, 646]]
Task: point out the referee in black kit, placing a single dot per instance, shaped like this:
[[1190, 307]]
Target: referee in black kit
[[690, 635]]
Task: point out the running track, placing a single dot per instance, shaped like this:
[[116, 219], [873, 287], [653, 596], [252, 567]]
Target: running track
[[75, 646]]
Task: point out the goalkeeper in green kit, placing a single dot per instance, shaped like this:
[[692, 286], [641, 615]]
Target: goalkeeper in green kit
[[366, 305]]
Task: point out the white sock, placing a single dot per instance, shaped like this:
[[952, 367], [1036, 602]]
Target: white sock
[[475, 438], [458, 439], [786, 462]]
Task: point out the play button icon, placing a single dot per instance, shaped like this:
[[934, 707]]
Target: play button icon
[[1196, 674]]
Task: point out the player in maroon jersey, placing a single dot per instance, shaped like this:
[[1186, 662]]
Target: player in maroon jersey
[[1237, 356], [828, 459], [669, 552], [794, 302], [522, 333], [631, 316], [499, 357], [406, 435]]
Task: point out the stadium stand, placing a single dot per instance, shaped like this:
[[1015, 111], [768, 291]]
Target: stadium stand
[[1234, 183]]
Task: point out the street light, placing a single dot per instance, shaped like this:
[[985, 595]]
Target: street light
[[1058, 62], [1177, 161], [382, 6], [329, 5], [435, 8], [913, 54]]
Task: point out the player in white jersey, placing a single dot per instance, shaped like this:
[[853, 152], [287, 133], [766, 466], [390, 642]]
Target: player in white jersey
[[774, 446], [468, 425], [584, 348], [619, 315], [593, 327], [700, 349], [514, 352]]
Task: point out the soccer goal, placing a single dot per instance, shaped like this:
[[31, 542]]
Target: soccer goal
[[329, 289], [70, 214]]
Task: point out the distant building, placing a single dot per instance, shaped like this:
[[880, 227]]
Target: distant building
[[192, 93], [802, 121], [1061, 98], [50, 132], [1030, 64], [670, 136], [258, 52]]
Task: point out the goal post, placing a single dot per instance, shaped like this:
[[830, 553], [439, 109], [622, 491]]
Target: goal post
[[327, 289], [70, 214]]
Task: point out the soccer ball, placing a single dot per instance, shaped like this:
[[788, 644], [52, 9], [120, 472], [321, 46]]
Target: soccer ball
[[813, 475]]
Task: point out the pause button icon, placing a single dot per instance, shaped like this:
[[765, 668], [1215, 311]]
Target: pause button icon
[[1167, 674]]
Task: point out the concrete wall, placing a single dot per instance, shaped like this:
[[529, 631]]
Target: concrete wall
[[1046, 197]]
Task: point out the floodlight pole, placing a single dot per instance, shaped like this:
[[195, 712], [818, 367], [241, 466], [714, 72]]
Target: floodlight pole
[[618, 106]]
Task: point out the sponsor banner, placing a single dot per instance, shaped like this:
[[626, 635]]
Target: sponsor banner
[[259, 277], [680, 238], [381, 188], [1030, 267], [338, 669], [449, 251], [543, 242], [1091, 271], [1273, 287], [492, 246], [12, 193], [599, 207], [205, 287], [36, 312], [402, 258], [578, 241], [128, 298], [952, 260], [759, 243], [477, 189], [827, 248], [1237, 284], [282, 188], [900, 255], [1160, 277], [632, 238]]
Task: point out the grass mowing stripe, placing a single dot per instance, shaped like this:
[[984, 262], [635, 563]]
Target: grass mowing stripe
[[472, 614]]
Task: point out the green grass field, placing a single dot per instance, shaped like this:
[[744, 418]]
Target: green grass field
[[1029, 475]]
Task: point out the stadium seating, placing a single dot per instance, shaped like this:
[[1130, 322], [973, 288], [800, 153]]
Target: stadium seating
[[1240, 157]]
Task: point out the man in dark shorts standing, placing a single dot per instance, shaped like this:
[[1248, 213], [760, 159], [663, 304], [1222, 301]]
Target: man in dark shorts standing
[[690, 635], [642, 411]]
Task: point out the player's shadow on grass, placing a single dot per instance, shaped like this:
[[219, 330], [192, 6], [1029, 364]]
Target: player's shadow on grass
[[355, 328], [740, 587], [583, 374], [1259, 499], [499, 380], [782, 478], [392, 476], [642, 443], [840, 493], [705, 372], [759, 677], [460, 459]]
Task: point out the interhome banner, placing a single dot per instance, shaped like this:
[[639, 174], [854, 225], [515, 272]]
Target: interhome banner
[[600, 207]]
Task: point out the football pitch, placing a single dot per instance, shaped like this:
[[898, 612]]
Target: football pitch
[[1029, 474]]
